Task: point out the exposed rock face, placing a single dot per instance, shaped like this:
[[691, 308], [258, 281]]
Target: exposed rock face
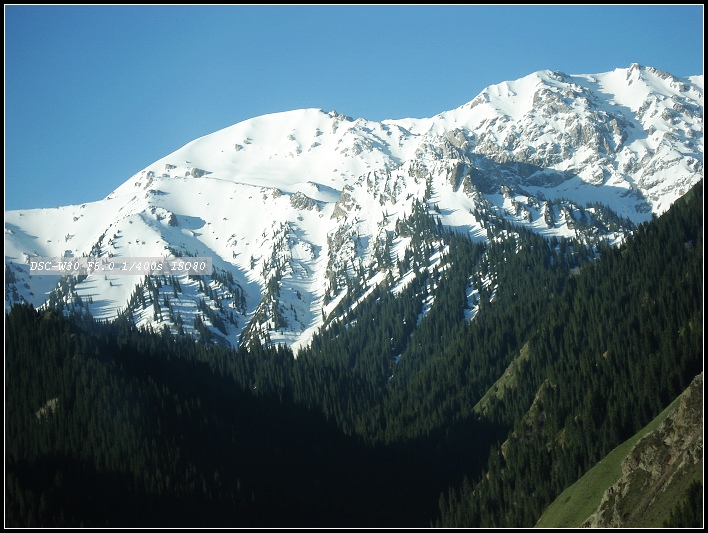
[[661, 460], [301, 201]]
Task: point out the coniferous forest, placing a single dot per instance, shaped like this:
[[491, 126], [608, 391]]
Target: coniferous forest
[[385, 419]]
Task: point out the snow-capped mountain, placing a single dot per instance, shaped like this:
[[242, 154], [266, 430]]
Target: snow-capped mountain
[[293, 206]]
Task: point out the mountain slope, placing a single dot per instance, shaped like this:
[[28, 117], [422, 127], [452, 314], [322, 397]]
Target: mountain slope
[[293, 206], [616, 346], [659, 469], [667, 453]]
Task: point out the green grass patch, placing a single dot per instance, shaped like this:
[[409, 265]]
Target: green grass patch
[[508, 380]]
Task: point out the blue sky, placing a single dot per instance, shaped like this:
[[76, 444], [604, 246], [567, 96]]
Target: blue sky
[[95, 94]]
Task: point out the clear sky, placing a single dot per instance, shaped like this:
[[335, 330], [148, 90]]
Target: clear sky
[[95, 94]]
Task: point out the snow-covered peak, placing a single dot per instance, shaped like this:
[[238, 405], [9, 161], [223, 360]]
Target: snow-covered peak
[[293, 206]]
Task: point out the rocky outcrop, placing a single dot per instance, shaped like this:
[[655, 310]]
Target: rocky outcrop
[[303, 202], [662, 461]]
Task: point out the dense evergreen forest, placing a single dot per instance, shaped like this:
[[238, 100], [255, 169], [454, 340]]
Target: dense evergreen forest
[[621, 341], [380, 421]]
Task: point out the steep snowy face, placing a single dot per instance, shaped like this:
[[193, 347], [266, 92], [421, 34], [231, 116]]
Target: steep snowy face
[[299, 210], [638, 131]]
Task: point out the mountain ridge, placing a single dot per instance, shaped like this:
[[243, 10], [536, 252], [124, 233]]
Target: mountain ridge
[[293, 205]]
